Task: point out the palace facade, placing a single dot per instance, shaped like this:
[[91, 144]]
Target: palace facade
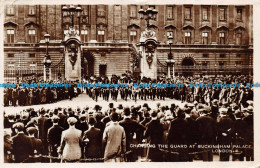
[[207, 39]]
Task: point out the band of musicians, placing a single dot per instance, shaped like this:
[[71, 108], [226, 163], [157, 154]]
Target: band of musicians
[[210, 122]]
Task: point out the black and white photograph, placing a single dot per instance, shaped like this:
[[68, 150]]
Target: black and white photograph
[[128, 82]]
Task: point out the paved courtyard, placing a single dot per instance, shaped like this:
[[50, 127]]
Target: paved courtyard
[[84, 100]]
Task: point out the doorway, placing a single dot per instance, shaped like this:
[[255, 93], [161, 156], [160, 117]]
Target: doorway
[[87, 65], [102, 70], [187, 66]]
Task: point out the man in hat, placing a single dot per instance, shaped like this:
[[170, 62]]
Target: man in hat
[[120, 110], [132, 130], [22, 145], [224, 133], [114, 140], [82, 124], [239, 133], [71, 142], [92, 139], [54, 136], [154, 132], [37, 146], [178, 134], [249, 135], [214, 109], [206, 133]]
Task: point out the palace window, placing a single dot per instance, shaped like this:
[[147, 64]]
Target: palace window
[[84, 35], [205, 55], [204, 64], [31, 10], [133, 11], [222, 38], [239, 14], [187, 38], [222, 14], [10, 55], [10, 10], [169, 12], [187, 13], [10, 35], [222, 55], [133, 36], [32, 36], [205, 13], [32, 55], [101, 10], [101, 36], [221, 64], [238, 38], [205, 36]]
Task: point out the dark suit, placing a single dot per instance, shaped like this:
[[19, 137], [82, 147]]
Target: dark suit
[[207, 135], [154, 131], [239, 134], [44, 124], [105, 120], [94, 146], [22, 147], [83, 126], [178, 134], [249, 136], [131, 127], [36, 145], [224, 126], [100, 125], [63, 120], [54, 138]]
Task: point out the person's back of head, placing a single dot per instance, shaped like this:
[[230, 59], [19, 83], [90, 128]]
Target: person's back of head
[[55, 119], [127, 112], [32, 131], [92, 121], [71, 121], [18, 126], [114, 117]]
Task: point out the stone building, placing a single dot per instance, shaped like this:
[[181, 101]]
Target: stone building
[[207, 39]]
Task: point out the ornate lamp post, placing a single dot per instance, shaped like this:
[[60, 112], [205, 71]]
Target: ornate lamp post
[[71, 11], [170, 61], [79, 10], [149, 14], [47, 59]]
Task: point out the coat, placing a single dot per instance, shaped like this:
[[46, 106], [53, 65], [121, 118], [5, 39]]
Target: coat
[[114, 140], [71, 144], [36, 145], [178, 132], [206, 130], [131, 127], [54, 135], [225, 125], [154, 131], [22, 147], [94, 145]]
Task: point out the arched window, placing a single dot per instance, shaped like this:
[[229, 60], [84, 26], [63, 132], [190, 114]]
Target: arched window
[[10, 32], [31, 29]]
